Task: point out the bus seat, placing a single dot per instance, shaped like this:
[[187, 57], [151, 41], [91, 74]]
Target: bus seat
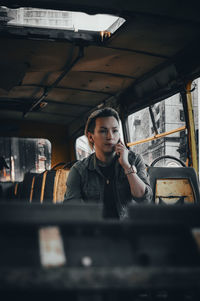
[[24, 189], [8, 190], [55, 186], [38, 188], [61, 186], [50, 186], [174, 185]]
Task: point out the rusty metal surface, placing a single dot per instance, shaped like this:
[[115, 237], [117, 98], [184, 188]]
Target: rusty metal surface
[[171, 190], [133, 278]]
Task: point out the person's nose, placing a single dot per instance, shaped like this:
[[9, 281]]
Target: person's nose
[[109, 135]]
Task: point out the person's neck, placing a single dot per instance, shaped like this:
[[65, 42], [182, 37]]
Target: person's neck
[[104, 159]]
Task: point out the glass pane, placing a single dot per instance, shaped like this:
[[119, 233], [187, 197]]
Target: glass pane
[[67, 20], [196, 112], [23, 155], [83, 149], [168, 115]]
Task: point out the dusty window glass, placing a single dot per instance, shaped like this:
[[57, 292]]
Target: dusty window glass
[[167, 118], [196, 113], [23, 155], [83, 149]]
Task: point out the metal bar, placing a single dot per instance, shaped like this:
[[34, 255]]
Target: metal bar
[[23, 101], [153, 120], [69, 88], [184, 102], [156, 136], [110, 74], [199, 122], [191, 128], [140, 52]]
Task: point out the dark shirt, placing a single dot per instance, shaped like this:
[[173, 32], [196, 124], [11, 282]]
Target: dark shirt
[[109, 201]]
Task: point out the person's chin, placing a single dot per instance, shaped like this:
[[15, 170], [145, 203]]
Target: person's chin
[[110, 150]]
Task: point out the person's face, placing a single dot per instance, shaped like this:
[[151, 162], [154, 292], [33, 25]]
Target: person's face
[[106, 134]]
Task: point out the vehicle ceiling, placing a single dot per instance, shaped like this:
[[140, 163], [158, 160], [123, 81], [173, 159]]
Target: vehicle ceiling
[[59, 77]]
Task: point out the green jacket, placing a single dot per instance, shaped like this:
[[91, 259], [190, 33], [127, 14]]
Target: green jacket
[[86, 183]]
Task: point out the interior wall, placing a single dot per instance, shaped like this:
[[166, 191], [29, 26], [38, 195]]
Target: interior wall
[[62, 147]]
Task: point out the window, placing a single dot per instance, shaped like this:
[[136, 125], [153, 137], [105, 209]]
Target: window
[[66, 20], [23, 155], [182, 116], [157, 109], [137, 122], [171, 117], [158, 124], [83, 149]]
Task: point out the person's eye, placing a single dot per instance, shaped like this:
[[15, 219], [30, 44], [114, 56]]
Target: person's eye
[[115, 131], [102, 131]]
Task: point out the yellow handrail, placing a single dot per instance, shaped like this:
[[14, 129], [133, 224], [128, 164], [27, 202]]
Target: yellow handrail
[[191, 129], [157, 136]]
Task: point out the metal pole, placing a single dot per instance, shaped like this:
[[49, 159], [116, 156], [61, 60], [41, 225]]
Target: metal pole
[[191, 128], [198, 99]]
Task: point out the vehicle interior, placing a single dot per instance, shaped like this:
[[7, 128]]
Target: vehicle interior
[[51, 79]]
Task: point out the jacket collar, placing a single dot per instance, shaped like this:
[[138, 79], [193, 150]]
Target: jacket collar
[[92, 164]]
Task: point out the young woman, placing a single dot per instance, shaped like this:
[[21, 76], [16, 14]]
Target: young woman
[[112, 175]]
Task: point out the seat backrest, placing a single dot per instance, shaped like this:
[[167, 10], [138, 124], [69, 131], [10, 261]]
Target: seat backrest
[[7, 190], [55, 185], [48, 186], [174, 185], [25, 188]]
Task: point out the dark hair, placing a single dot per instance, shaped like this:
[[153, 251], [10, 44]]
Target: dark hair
[[91, 122]]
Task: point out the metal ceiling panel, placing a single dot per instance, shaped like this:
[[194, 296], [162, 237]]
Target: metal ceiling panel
[[157, 36], [114, 61], [49, 118], [70, 111], [76, 97]]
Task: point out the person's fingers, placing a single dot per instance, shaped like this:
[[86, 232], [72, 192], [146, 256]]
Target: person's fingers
[[121, 147]]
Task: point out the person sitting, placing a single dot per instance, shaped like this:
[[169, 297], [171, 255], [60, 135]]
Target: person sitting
[[112, 175]]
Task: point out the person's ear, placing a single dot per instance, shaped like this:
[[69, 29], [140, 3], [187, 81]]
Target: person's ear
[[90, 138]]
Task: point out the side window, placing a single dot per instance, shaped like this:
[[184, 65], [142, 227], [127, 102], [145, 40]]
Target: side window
[[196, 112], [83, 149], [168, 115], [23, 155]]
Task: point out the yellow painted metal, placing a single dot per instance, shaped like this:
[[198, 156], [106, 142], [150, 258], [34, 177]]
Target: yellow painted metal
[[157, 136], [171, 190], [191, 129]]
